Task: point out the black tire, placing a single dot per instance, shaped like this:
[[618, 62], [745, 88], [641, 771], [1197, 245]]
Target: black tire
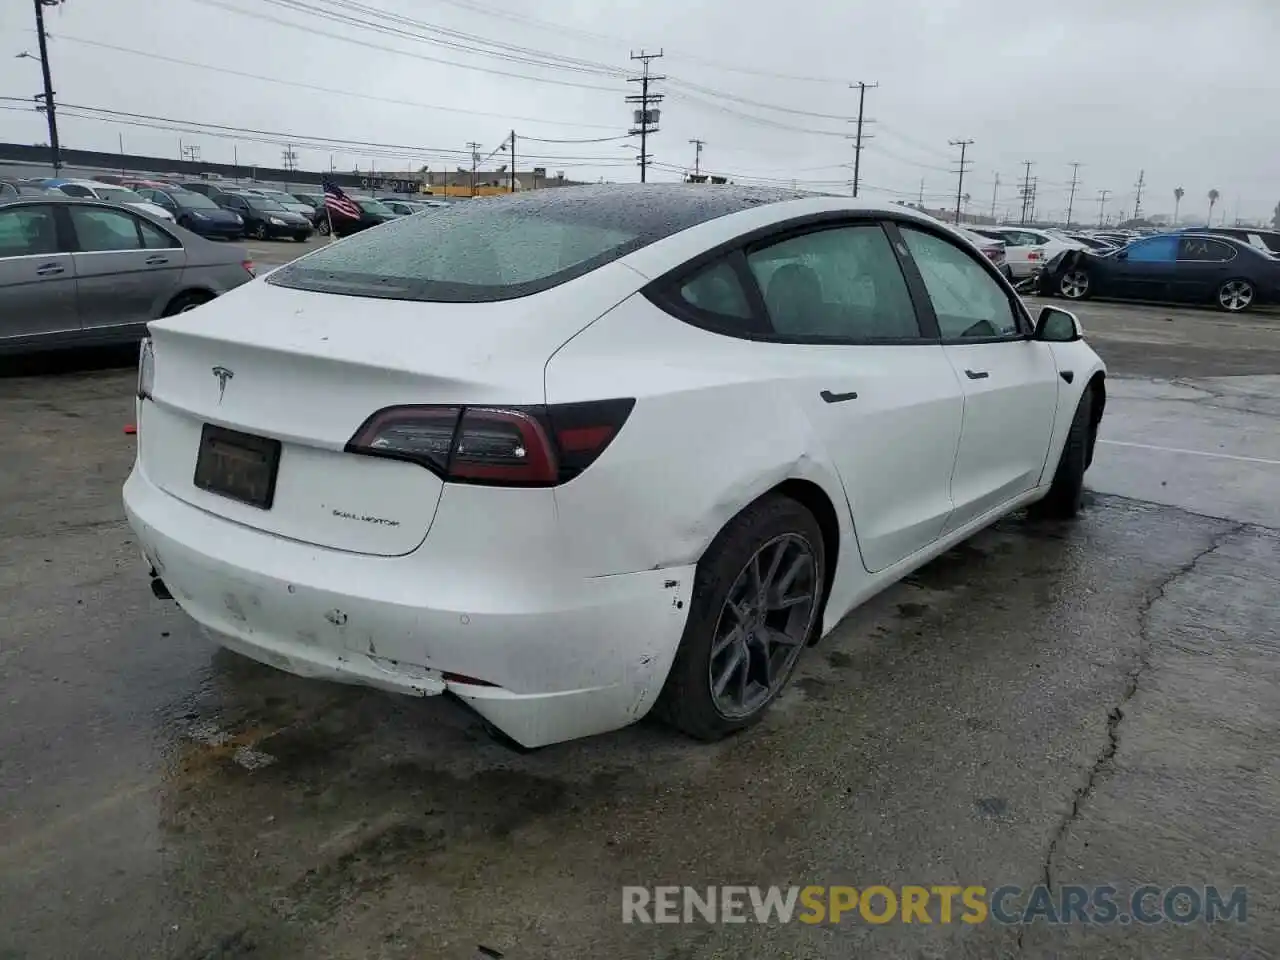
[[686, 701], [258, 231], [185, 302], [1066, 493]]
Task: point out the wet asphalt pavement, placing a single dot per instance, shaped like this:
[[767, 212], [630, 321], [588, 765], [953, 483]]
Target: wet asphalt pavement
[[1085, 703]]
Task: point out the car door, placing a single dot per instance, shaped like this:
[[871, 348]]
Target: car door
[[1144, 270], [241, 206], [37, 276], [1203, 265], [127, 268], [1010, 382], [882, 396]]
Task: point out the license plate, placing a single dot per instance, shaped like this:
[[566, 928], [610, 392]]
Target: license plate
[[238, 465]]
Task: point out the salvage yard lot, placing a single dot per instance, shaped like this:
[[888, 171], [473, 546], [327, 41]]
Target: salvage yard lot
[[1085, 703]]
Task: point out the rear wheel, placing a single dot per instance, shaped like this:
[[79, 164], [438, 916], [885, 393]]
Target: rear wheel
[[258, 231], [1066, 494], [186, 302], [1074, 284], [1236, 296], [756, 602]]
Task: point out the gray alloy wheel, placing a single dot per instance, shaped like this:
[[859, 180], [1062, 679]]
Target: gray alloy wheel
[[763, 625], [1235, 296], [1074, 284]]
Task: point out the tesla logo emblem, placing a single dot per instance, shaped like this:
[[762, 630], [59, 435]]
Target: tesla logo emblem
[[223, 375]]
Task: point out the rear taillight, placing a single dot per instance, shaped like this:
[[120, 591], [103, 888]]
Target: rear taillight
[[249, 267], [1035, 255], [537, 446]]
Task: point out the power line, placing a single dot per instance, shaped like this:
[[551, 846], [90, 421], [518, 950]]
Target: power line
[[331, 90], [857, 143], [646, 120], [964, 146], [315, 31]]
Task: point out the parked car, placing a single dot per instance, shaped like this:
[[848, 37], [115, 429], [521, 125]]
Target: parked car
[[1027, 250], [575, 453], [1182, 267], [406, 207], [288, 201], [1266, 240], [314, 200], [77, 272], [211, 190], [372, 213], [1097, 244], [993, 250], [11, 190], [264, 219], [197, 213], [111, 193]]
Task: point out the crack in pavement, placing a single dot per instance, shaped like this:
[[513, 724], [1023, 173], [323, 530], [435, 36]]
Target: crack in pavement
[[1115, 715]]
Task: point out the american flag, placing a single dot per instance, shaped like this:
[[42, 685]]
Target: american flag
[[338, 202]]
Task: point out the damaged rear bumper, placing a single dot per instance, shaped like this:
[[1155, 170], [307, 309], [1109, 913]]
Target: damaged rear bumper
[[542, 657]]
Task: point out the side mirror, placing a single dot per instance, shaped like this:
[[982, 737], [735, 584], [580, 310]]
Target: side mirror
[[1058, 326]]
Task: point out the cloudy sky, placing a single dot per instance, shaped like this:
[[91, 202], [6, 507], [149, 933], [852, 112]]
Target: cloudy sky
[[1182, 90]]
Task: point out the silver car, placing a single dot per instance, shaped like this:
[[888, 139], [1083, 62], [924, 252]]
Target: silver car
[[79, 272]]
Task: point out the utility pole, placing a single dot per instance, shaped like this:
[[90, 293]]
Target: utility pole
[[1075, 182], [55, 150], [857, 140], [921, 200], [475, 160], [290, 157], [646, 120], [697, 156], [1137, 203], [191, 152], [513, 162], [964, 146], [1102, 203], [1026, 190], [1035, 189], [995, 193]]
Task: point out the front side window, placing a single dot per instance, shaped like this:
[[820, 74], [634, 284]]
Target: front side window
[[153, 238], [842, 283], [104, 230], [1154, 250], [968, 301], [28, 232]]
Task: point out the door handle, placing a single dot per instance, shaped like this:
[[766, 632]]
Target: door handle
[[830, 397], [50, 270], [155, 261], [976, 374]]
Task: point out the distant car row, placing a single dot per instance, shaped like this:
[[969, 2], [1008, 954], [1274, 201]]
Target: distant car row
[[223, 212]]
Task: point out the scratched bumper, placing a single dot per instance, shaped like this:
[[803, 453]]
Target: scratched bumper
[[565, 658]]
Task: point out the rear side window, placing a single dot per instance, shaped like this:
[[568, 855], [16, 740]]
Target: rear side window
[[717, 290], [1205, 250], [99, 230], [27, 232], [842, 283], [75, 190]]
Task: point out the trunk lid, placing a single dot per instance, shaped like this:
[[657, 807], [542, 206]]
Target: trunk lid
[[307, 369]]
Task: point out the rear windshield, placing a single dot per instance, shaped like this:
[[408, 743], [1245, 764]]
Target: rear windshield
[[501, 248]]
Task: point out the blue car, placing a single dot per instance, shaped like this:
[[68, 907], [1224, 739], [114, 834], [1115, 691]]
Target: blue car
[[1186, 267], [197, 213]]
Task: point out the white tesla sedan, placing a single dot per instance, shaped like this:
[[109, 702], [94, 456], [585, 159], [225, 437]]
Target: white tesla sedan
[[574, 454]]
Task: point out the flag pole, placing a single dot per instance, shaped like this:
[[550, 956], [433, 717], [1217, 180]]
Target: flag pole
[[328, 212]]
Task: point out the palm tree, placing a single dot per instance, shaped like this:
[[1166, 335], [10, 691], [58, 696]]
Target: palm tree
[[1213, 199], [1178, 194]]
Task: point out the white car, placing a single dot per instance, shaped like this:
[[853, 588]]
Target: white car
[[574, 454], [1027, 250], [111, 193]]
